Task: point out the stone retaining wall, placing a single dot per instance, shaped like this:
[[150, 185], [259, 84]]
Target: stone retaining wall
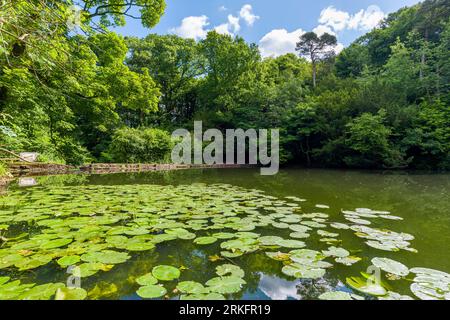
[[39, 168], [29, 169], [99, 168]]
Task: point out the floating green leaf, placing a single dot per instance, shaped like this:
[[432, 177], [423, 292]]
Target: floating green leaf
[[335, 295], [366, 286], [70, 294], [225, 285], [205, 240], [146, 280], [336, 252], [230, 269], [151, 292], [391, 266], [191, 287], [166, 273], [68, 261], [52, 244]]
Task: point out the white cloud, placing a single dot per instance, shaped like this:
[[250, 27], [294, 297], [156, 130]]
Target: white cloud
[[233, 23], [366, 19], [333, 18], [247, 14], [278, 42], [195, 26], [362, 20], [223, 29], [321, 29], [192, 27], [229, 28]]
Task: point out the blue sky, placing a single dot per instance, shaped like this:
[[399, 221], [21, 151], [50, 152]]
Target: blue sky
[[274, 25]]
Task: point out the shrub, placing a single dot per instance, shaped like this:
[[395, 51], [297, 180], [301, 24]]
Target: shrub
[[3, 170], [368, 138], [144, 145]]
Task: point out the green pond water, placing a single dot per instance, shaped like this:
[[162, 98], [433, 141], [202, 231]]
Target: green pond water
[[233, 234]]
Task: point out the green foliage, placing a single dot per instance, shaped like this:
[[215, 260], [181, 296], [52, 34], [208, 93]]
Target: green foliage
[[428, 140], [139, 145], [368, 137], [381, 103], [352, 61], [174, 63]]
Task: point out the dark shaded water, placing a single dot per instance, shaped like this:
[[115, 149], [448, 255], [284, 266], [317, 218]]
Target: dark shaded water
[[422, 200]]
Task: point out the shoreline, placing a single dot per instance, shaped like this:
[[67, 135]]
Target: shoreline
[[42, 169]]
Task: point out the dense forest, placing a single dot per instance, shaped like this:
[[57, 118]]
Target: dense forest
[[93, 95]]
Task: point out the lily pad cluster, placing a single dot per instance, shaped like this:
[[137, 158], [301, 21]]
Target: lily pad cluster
[[229, 280], [385, 240], [302, 263], [15, 290], [430, 284], [92, 230]]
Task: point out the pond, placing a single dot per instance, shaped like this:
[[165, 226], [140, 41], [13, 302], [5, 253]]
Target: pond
[[227, 234]]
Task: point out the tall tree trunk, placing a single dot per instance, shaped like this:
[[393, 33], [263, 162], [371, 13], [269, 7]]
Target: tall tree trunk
[[438, 81], [422, 65], [423, 58], [314, 73]]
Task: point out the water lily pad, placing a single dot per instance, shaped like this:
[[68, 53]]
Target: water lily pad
[[4, 280], [270, 240], [391, 266], [230, 269], [52, 244], [307, 254], [224, 235], [205, 240], [359, 221], [10, 260], [313, 224], [68, 261], [430, 284], [299, 228], [324, 233], [70, 294], [366, 286], [191, 287], [348, 261], [88, 269], [241, 244], [278, 256], [301, 271], [335, 295], [228, 254], [151, 291], [386, 246], [341, 226], [42, 292], [146, 280], [212, 296], [226, 285], [395, 296], [33, 262], [299, 235], [106, 257], [291, 244], [336, 252], [166, 273], [280, 225]]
